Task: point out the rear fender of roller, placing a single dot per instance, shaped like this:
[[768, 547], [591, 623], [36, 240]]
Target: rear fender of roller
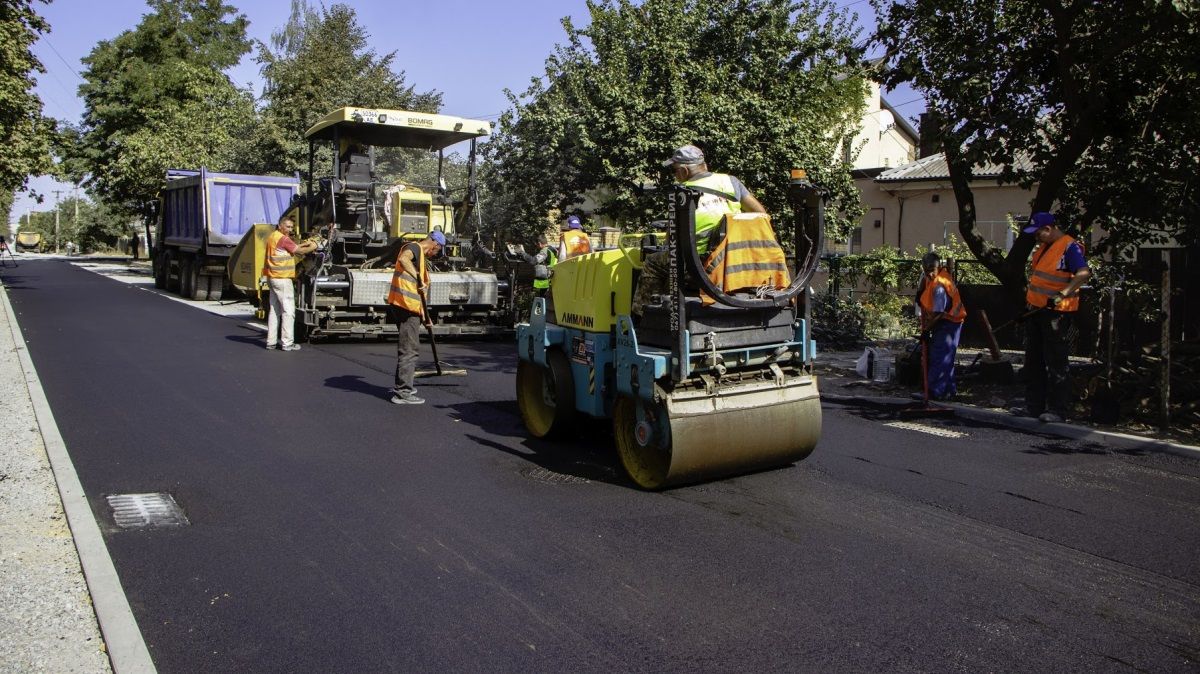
[[637, 368]]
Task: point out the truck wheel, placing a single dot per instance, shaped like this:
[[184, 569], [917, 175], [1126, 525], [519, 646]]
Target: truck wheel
[[216, 287], [172, 276], [160, 270], [187, 283], [198, 284]]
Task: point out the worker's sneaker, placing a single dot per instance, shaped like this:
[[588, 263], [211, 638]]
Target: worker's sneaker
[[1050, 418], [406, 399], [271, 347], [292, 347]]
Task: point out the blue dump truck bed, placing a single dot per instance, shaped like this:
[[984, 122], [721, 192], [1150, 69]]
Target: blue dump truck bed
[[209, 212]]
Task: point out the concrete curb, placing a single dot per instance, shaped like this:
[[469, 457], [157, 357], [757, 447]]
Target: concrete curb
[[123, 640], [1064, 430]]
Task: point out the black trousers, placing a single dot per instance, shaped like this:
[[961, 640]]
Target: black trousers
[[1047, 374], [408, 328]]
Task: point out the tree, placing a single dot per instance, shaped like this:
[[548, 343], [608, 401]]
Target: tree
[[1090, 102], [24, 133], [156, 96], [762, 85], [317, 62]]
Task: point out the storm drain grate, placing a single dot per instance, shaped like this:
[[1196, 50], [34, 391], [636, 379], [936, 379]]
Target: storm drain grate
[[922, 428], [137, 511]]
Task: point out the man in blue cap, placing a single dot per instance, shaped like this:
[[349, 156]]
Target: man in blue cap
[[1057, 270], [407, 311], [574, 241]]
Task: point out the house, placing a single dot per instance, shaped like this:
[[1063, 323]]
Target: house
[[885, 139]]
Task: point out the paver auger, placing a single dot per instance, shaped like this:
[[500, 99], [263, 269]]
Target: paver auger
[[695, 390]]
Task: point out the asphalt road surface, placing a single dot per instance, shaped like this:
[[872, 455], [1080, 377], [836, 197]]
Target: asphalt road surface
[[332, 531]]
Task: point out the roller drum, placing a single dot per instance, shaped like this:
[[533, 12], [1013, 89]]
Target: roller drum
[[735, 430]]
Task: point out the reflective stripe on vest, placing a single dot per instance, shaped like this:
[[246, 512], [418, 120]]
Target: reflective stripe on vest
[[278, 263], [957, 313], [404, 292], [711, 208], [1047, 280], [748, 257], [551, 260], [577, 243]]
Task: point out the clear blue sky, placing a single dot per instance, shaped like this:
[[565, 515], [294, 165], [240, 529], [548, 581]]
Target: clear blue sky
[[470, 50]]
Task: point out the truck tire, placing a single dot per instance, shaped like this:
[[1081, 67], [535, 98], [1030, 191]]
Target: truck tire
[[172, 281], [187, 282], [160, 270], [216, 288], [197, 284]]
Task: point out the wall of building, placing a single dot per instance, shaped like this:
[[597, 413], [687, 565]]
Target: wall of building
[[879, 144]]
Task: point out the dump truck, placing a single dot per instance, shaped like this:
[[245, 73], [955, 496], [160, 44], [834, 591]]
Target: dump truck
[[706, 383], [29, 242], [360, 222], [201, 217]]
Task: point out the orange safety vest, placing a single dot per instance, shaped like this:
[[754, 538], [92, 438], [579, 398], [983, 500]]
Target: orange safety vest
[[404, 292], [957, 313], [748, 256], [278, 263], [577, 243], [1047, 280]]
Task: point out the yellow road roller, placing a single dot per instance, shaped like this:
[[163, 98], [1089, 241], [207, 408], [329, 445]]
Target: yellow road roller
[[708, 381]]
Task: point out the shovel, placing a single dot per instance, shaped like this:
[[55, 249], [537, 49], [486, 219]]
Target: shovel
[[441, 371]]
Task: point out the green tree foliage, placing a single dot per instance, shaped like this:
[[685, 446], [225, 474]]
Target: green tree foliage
[[762, 85], [24, 133], [319, 61], [1097, 96], [156, 97]]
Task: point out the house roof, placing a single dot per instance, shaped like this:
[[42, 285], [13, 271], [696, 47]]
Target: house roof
[[900, 121], [934, 167]]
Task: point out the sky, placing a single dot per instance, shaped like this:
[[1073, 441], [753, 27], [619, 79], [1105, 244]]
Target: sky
[[470, 50]]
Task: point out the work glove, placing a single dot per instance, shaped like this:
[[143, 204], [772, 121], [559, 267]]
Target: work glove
[[1055, 299]]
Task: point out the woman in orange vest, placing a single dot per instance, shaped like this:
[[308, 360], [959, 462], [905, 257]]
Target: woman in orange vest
[[279, 268], [406, 310], [942, 316], [1057, 271]]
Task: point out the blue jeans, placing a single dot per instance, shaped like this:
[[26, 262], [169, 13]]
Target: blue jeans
[[943, 345]]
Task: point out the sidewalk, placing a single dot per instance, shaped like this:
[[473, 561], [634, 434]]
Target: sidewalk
[[46, 615]]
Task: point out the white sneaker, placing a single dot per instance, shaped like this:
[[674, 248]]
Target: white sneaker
[[1050, 418], [292, 347]]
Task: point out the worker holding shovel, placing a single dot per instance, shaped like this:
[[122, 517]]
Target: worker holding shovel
[[1057, 271], [942, 316], [406, 309]]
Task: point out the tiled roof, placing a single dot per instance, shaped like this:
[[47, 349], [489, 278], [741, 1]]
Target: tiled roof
[[934, 167]]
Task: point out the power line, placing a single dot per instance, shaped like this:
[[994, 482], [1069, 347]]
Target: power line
[[60, 58]]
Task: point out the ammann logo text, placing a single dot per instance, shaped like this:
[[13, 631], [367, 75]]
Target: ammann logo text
[[576, 319]]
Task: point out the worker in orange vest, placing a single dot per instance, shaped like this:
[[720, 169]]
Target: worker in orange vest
[[406, 310], [1057, 271], [942, 316], [279, 268], [574, 241]]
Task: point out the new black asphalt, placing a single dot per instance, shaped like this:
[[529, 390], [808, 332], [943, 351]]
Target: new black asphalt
[[332, 531]]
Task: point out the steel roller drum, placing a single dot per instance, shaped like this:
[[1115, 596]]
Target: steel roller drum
[[740, 429]]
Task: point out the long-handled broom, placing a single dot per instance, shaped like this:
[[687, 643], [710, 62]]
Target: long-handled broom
[[442, 369]]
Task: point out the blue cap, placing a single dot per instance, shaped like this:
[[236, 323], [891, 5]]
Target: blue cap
[[1037, 221], [573, 222], [438, 237]]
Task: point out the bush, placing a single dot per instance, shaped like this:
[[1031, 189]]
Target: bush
[[838, 323]]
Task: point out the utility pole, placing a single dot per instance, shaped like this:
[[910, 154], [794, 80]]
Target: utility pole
[[56, 193]]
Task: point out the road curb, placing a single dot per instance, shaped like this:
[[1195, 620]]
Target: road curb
[[1071, 431], [123, 640]]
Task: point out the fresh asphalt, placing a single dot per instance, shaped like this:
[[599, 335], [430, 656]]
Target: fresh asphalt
[[332, 531]]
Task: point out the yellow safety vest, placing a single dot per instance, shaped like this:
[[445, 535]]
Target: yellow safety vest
[[711, 207], [404, 292], [1047, 280], [576, 242], [957, 313], [278, 263], [551, 260], [748, 257]]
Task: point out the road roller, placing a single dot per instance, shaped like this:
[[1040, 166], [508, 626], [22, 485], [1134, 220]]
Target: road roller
[[708, 381]]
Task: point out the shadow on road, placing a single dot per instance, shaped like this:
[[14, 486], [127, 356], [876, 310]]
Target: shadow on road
[[353, 383]]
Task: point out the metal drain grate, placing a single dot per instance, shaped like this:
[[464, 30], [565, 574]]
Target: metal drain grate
[[922, 428], [137, 511]]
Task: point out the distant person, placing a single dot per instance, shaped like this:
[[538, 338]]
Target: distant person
[[574, 241], [134, 243], [942, 316], [279, 268], [543, 264], [407, 310], [1056, 272]]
